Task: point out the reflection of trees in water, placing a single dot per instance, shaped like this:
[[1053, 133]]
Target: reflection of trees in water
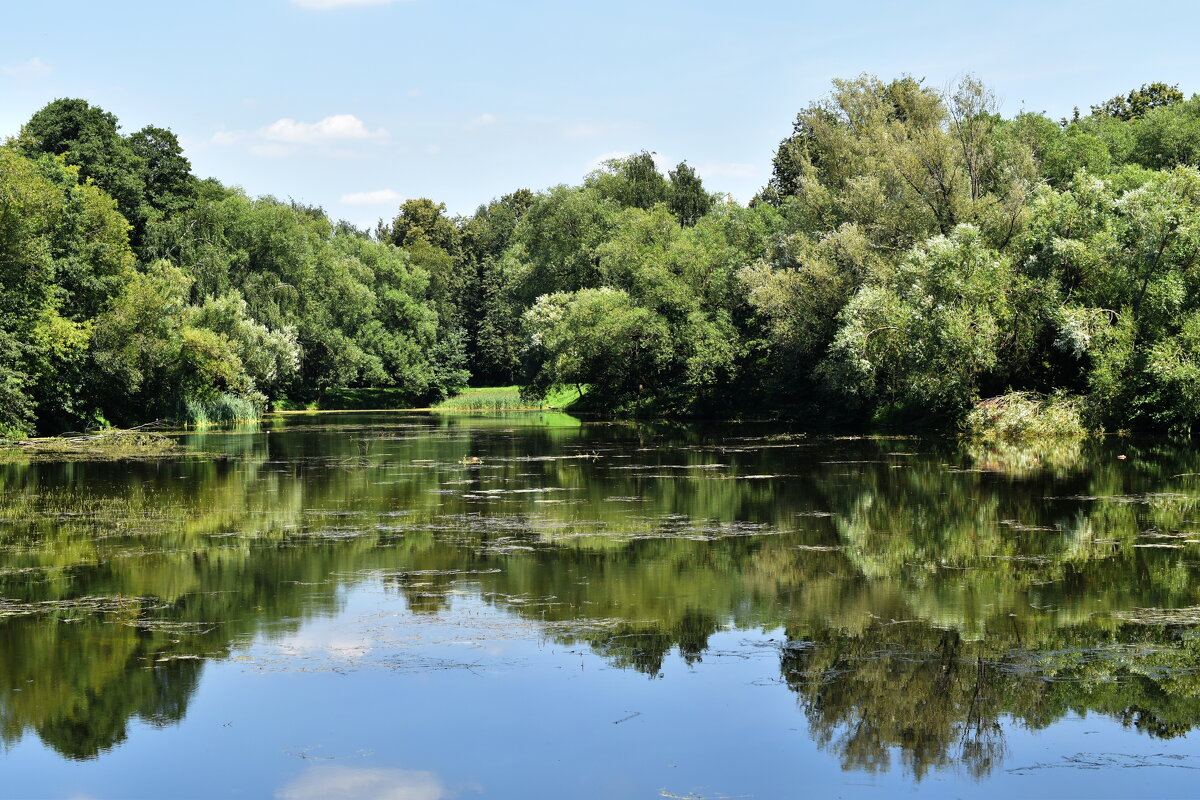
[[645, 647], [80, 692], [939, 700], [1003, 599]]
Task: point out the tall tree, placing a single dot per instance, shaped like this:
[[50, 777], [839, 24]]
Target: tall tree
[[166, 172], [631, 181], [421, 220], [88, 137], [686, 196]]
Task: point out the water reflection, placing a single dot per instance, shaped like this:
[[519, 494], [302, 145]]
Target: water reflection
[[939, 699], [330, 782], [929, 595]]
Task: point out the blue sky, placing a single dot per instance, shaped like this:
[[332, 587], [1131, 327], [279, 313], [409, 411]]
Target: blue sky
[[354, 104]]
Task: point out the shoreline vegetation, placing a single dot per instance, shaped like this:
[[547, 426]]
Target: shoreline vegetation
[[916, 261], [107, 445], [510, 398]]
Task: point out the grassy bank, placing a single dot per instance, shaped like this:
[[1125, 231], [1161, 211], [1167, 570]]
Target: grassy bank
[[351, 400], [507, 398], [485, 398]]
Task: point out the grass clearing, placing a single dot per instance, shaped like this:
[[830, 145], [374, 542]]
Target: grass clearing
[[351, 400], [508, 398]]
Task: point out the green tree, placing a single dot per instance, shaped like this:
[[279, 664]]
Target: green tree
[[902, 162], [599, 337], [686, 196], [559, 239], [88, 137], [633, 181], [421, 220], [927, 334], [170, 186], [1139, 102]]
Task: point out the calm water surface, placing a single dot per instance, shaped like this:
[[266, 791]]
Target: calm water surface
[[414, 607]]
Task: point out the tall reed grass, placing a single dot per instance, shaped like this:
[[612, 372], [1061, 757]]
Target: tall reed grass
[[221, 409]]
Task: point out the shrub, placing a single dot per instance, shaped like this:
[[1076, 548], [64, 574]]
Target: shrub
[[1021, 416]]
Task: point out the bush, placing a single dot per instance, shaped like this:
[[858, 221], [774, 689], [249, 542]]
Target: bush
[[1022, 416]]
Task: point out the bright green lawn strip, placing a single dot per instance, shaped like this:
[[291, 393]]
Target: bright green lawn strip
[[506, 398]]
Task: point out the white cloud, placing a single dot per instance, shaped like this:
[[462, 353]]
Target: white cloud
[[323, 5], [482, 119], [332, 136], [376, 198], [33, 68], [352, 783], [227, 137], [338, 128]]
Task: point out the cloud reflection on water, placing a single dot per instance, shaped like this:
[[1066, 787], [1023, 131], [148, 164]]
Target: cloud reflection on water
[[328, 782]]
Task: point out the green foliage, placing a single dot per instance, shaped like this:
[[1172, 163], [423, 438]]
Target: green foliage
[[928, 332], [633, 182], [88, 137], [596, 336], [686, 196], [913, 252], [170, 186], [421, 220], [903, 162], [1024, 416], [1139, 102]]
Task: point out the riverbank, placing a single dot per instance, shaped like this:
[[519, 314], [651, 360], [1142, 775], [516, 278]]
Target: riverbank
[[109, 445]]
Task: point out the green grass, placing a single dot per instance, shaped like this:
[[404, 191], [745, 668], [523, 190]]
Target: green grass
[[507, 398], [486, 398], [350, 400], [1025, 416], [563, 396]]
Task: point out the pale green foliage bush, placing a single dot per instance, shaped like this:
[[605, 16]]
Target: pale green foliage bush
[[598, 336], [928, 330], [1022, 416]]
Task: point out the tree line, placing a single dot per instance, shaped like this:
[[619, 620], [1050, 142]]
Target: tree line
[[913, 252]]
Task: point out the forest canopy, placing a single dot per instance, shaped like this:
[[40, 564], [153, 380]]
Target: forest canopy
[[913, 253]]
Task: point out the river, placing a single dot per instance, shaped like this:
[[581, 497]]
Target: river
[[417, 606]]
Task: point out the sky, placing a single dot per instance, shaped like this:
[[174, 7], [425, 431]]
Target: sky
[[354, 105]]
